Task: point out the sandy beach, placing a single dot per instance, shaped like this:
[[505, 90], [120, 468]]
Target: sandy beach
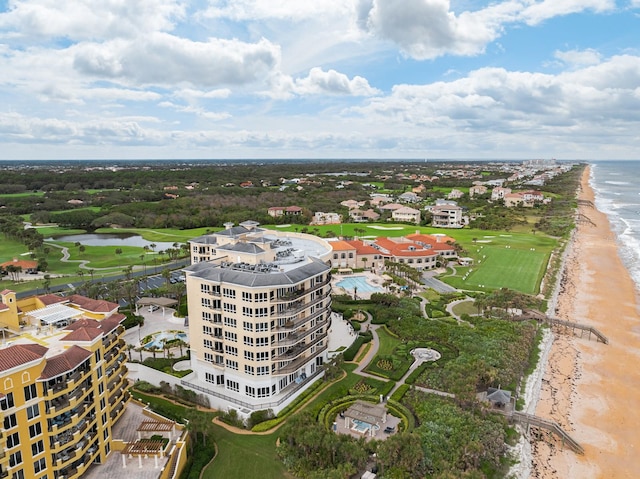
[[591, 389]]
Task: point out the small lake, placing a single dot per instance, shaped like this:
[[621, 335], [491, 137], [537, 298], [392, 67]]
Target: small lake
[[108, 239]]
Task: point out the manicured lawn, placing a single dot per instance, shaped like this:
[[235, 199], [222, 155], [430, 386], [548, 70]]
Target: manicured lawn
[[500, 267], [161, 234], [466, 307], [22, 195], [245, 456]]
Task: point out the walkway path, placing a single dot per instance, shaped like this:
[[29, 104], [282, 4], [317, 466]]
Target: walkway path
[[82, 262]]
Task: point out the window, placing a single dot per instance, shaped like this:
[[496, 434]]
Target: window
[[250, 391], [206, 316], [229, 336], [207, 330], [246, 296], [249, 370], [7, 402], [40, 465], [262, 327], [262, 341], [103, 403], [231, 364], [13, 440], [262, 356], [248, 340], [230, 322], [233, 385], [15, 459], [210, 378], [247, 311], [205, 288], [248, 355], [206, 302], [104, 418], [37, 448], [247, 326], [261, 297], [208, 357], [228, 293], [263, 370], [105, 434], [208, 344], [98, 355], [232, 350], [18, 474], [35, 430], [229, 307], [262, 312], [100, 388], [99, 372], [10, 421], [263, 392]]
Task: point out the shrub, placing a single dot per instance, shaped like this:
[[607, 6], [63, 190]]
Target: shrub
[[399, 393], [258, 417]]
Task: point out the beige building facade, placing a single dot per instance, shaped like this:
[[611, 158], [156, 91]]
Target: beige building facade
[[259, 311]]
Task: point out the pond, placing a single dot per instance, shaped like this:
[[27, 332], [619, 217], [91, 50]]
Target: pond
[[108, 239]]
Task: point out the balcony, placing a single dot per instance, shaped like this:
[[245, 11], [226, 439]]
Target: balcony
[[298, 363], [66, 383], [292, 325], [295, 337]]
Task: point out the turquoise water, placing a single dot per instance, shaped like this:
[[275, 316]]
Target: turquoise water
[[158, 338], [362, 426], [360, 283]]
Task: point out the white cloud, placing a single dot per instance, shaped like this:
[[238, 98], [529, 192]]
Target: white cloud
[[537, 12], [578, 57], [30, 20], [163, 59], [332, 83], [292, 10]]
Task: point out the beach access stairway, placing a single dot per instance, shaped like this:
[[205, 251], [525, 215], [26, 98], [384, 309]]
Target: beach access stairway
[[527, 420], [582, 327]]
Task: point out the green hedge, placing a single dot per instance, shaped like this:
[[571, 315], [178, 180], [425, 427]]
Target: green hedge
[[330, 410], [399, 393], [350, 353]]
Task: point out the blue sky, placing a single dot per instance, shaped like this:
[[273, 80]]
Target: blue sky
[[319, 79]]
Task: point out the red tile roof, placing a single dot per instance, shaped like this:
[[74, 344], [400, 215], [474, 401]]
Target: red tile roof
[[404, 248], [18, 354], [83, 334], [93, 305], [3, 307], [363, 248], [22, 263], [341, 245], [67, 361], [48, 299], [5, 292]]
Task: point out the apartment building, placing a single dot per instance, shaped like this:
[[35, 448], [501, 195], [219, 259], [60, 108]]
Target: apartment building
[[259, 309], [62, 385]]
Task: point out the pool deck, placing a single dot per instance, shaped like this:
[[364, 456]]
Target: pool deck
[[379, 434], [372, 279]]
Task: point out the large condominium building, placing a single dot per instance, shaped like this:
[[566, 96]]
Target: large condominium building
[[62, 384], [259, 309]]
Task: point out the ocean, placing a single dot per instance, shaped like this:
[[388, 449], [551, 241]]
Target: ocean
[[617, 190]]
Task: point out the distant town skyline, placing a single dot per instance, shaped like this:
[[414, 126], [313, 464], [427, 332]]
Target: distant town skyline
[[239, 79]]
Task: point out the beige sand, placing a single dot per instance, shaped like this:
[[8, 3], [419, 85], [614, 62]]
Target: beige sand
[[592, 389]]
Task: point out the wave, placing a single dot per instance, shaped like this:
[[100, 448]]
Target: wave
[[617, 183]]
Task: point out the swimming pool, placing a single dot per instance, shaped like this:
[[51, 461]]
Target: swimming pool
[[359, 283], [362, 427], [158, 339]]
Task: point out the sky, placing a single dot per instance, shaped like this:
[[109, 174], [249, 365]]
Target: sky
[[242, 79]]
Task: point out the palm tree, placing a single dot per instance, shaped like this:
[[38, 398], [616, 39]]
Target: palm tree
[[129, 347], [166, 274]]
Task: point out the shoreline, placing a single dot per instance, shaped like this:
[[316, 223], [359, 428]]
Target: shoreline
[[590, 388]]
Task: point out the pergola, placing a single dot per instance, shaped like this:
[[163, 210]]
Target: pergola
[[145, 446]]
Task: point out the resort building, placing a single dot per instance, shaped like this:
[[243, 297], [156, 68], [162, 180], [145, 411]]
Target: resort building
[[446, 216], [406, 215], [259, 312], [420, 251], [63, 384]]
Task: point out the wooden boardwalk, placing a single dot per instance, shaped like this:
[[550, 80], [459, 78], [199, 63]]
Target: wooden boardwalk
[[582, 327], [528, 420]]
